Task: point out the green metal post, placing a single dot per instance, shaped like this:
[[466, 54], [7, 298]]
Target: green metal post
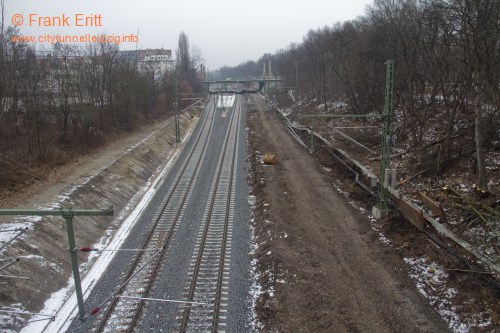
[[74, 264], [177, 127], [68, 215], [387, 135]]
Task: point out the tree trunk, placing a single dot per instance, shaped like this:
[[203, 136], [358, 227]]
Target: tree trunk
[[481, 168]]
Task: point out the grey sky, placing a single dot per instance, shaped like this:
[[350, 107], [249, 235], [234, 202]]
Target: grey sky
[[227, 32]]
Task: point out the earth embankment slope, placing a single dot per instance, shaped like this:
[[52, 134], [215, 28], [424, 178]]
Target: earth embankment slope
[[116, 176]]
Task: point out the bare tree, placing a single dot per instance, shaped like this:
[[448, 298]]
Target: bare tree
[[447, 68], [2, 58], [477, 22], [188, 61], [183, 60]]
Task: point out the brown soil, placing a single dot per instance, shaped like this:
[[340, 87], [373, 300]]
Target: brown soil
[[476, 305], [322, 266]]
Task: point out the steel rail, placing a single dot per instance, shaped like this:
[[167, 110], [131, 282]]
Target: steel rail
[[227, 156], [217, 304], [204, 132]]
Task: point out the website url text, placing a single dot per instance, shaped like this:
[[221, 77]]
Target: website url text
[[86, 38]]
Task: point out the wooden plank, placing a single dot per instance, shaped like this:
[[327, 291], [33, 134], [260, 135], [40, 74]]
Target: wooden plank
[[412, 214], [433, 206], [486, 260]]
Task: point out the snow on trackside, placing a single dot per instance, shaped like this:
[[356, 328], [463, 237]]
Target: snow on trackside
[[10, 318], [256, 289], [227, 101], [10, 230], [62, 304]]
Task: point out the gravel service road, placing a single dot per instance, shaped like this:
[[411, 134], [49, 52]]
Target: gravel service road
[[321, 265]]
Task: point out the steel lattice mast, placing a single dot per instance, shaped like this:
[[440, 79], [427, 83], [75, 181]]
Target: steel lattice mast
[[386, 137]]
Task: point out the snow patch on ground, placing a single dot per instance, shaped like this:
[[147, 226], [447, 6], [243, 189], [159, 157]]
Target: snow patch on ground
[[9, 231], [430, 279], [376, 226], [10, 319], [256, 288], [227, 101]]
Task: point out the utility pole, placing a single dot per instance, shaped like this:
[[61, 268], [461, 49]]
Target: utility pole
[[296, 77], [297, 87], [382, 207], [176, 109]]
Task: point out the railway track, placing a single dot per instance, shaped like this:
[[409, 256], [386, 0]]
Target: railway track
[[208, 275], [123, 314], [204, 297]]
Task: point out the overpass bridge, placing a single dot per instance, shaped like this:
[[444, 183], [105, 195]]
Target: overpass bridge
[[240, 86]]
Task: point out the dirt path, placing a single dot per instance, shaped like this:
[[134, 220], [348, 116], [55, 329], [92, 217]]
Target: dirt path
[[322, 264]]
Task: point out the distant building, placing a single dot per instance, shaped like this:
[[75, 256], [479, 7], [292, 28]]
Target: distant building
[[157, 61], [129, 56]]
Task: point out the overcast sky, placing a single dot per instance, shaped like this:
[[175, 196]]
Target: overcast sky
[[228, 32]]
